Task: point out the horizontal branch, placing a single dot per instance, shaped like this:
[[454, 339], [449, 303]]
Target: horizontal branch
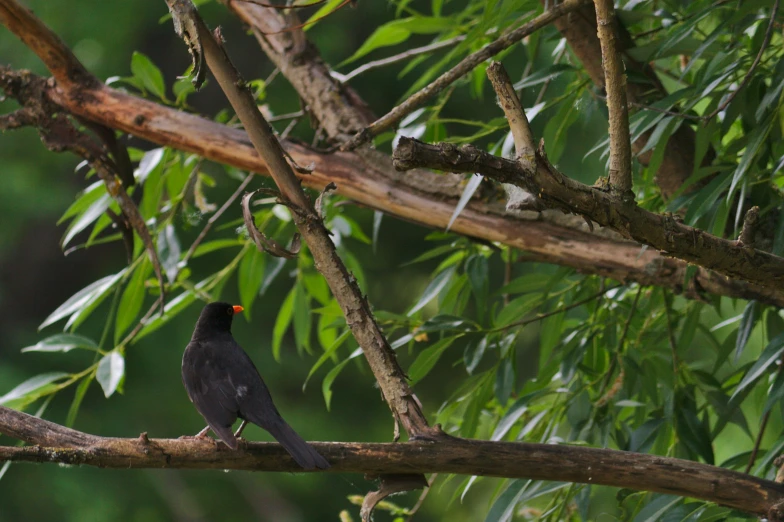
[[424, 198], [459, 456], [662, 232]]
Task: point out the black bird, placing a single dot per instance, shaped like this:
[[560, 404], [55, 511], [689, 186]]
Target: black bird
[[224, 384]]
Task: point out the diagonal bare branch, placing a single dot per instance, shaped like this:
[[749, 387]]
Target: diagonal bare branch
[[380, 356]]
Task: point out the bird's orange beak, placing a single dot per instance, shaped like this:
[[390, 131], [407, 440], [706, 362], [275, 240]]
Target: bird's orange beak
[[237, 309]]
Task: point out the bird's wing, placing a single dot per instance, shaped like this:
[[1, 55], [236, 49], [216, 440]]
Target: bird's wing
[[209, 386]]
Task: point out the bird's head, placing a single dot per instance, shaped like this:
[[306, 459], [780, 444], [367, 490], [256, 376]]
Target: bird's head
[[216, 317]]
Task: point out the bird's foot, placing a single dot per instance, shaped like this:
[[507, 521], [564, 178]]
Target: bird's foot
[[202, 435]]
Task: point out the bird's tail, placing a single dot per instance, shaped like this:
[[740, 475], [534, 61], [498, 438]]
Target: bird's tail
[[303, 453]]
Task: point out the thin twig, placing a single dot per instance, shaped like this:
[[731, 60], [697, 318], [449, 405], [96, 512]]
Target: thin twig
[[750, 73], [216, 216], [466, 65], [399, 58], [288, 116], [539, 317], [422, 497], [615, 85]]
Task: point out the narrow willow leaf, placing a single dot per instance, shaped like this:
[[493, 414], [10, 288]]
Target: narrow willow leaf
[[769, 356], [328, 353], [64, 342], [81, 299], [302, 321], [377, 217], [478, 271], [428, 358], [86, 218], [169, 252], [473, 354], [31, 385], [326, 386], [436, 285], [81, 390], [468, 192], [282, 323], [110, 372], [656, 508], [250, 277], [477, 403], [747, 323], [517, 309], [504, 381], [132, 299], [504, 506]]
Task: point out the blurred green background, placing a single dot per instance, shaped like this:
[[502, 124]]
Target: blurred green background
[[35, 277]]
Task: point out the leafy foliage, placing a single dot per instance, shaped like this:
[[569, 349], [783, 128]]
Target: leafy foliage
[[538, 353]]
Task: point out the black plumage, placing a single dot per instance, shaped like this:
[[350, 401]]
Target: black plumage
[[224, 384]]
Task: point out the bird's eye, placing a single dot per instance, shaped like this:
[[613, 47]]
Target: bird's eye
[[230, 310]]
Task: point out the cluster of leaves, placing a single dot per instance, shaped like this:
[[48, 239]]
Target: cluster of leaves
[[543, 354]]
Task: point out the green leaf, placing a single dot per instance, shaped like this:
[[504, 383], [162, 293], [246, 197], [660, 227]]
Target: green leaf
[[428, 358], [110, 372], [81, 390], [172, 308], [249, 278], [656, 508], [81, 299], [693, 433], [386, 35], [756, 139], [436, 285], [87, 217], [517, 309], [468, 192], [282, 323], [169, 252], [478, 273], [477, 403], [302, 317], [503, 508], [769, 356], [32, 385], [328, 353], [473, 354], [148, 74], [543, 75], [132, 299], [747, 322], [326, 386], [64, 342], [377, 217], [524, 284], [218, 244], [504, 381]]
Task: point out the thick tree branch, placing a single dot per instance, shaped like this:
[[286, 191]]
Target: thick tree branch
[[615, 85], [57, 444], [466, 65], [366, 177], [380, 356], [664, 233]]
